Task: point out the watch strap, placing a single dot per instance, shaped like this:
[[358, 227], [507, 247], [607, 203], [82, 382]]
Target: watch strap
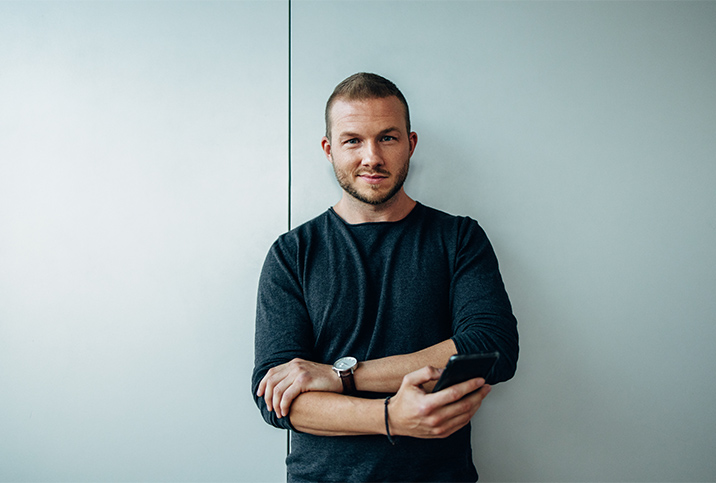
[[349, 384]]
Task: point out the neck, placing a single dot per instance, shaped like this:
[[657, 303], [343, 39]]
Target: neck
[[354, 211]]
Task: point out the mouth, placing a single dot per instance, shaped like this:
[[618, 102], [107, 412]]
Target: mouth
[[372, 178]]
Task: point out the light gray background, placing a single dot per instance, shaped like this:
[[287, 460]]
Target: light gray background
[[143, 176]]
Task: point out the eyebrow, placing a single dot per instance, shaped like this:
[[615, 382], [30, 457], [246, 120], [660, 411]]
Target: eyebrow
[[390, 129], [348, 134]]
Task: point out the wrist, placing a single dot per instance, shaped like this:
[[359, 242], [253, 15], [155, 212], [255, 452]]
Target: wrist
[[391, 438], [344, 369]]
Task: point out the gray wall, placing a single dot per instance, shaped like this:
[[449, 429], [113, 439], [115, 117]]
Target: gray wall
[[143, 176]]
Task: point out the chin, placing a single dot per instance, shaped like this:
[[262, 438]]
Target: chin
[[376, 199]]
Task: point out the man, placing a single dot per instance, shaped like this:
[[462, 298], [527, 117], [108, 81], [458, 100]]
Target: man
[[398, 286]]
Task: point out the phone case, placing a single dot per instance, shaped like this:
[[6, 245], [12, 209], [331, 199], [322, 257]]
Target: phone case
[[463, 367]]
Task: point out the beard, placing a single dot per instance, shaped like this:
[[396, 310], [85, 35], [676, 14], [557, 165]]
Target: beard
[[372, 195]]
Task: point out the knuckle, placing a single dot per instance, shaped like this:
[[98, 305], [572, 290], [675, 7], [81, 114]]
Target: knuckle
[[438, 432], [303, 377], [433, 422], [424, 410], [454, 393], [464, 406]]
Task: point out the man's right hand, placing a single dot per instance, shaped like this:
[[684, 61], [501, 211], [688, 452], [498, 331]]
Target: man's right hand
[[415, 412], [285, 382]]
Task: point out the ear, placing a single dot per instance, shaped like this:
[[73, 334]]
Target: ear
[[326, 146], [413, 138]]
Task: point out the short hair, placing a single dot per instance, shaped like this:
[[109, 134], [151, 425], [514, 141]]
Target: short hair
[[362, 86]]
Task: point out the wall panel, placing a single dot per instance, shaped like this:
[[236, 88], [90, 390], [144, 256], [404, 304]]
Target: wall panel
[[143, 176], [580, 135]]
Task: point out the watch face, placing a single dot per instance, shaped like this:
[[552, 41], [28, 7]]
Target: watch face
[[345, 363]]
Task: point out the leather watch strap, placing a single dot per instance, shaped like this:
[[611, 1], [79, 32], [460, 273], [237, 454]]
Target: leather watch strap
[[349, 384]]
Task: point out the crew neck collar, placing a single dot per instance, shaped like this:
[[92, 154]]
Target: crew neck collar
[[415, 208]]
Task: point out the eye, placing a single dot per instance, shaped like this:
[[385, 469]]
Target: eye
[[351, 141], [388, 138]]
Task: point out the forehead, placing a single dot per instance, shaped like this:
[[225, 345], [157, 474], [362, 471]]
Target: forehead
[[367, 114]]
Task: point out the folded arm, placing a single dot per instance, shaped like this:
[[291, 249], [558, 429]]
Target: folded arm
[[412, 411], [285, 382]]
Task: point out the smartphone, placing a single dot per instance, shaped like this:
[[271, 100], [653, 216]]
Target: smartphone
[[463, 367]]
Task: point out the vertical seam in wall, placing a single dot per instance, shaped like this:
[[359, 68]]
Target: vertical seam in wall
[[288, 432], [289, 114]]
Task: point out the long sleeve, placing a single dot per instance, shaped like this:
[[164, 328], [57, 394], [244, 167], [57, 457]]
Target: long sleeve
[[481, 310], [283, 329]]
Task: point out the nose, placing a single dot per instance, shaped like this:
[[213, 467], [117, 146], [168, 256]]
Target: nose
[[372, 155]]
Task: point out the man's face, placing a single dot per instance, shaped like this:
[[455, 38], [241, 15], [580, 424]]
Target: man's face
[[370, 148]]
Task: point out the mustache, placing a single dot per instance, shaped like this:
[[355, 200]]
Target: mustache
[[374, 172]]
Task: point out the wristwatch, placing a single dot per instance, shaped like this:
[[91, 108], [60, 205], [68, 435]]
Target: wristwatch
[[344, 367]]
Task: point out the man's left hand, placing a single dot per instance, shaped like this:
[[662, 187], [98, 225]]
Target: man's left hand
[[285, 382]]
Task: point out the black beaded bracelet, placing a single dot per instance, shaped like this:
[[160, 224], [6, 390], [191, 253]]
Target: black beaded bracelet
[[387, 428]]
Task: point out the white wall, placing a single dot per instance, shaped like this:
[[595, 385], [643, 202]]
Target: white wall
[[143, 177]]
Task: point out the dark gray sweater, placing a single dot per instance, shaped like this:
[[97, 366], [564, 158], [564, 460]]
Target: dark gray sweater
[[330, 289]]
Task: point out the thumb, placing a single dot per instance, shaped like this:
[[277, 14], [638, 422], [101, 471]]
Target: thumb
[[421, 376]]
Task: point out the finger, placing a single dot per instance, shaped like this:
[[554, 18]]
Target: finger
[[472, 401], [265, 381], [456, 415], [268, 394], [289, 383], [289, 395], [458, 391], [278, 391], [265, 387], [480, 396], [448, 397], [262, 387], [270, 381], [455, 424], [472, 385], [273, 381]]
